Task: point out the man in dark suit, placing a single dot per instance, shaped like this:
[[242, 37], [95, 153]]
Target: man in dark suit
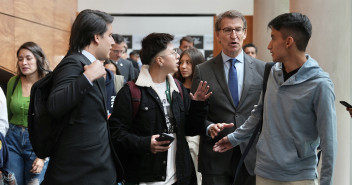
[[236, 82], [84, 153], [134, 58], [117, 50]]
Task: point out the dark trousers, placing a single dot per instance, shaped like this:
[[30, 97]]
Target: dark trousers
[[128, 183], [227, 179], [245, 179]]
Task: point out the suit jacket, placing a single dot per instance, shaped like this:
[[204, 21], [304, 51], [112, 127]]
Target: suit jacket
[[222, 110], [126, 68], [84, 153], [135, 66]]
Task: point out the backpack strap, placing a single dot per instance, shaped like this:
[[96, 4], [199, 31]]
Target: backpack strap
[[258, 128], [179, 87], [268, 67], [15, 84], [135, 96]]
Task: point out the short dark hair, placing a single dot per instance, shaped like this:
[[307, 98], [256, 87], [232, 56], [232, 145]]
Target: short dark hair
[[118, 38], [87, 24], [187, 39], [250, 45], [153, 44], [296, 25], [229, 14], [134, 52], [196, 58], [115, 65], [42, 62]]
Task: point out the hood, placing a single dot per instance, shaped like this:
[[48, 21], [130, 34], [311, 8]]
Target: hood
[[308, 71], [145, 80], [109, 77]]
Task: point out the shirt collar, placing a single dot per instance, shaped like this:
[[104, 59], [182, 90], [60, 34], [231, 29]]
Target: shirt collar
[[239, 57], [90, 57]]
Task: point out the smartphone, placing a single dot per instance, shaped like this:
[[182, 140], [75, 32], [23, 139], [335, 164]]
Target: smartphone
[[165, 137], [346, 104]]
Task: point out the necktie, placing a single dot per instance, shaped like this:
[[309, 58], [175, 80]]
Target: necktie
[[232, 81]]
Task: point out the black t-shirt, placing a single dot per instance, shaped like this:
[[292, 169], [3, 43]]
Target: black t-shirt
[[188, 90], [288, 75]]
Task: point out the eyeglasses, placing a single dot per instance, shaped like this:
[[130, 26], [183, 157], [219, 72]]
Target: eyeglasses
[[238, 31], [118, 51], [174, 52]]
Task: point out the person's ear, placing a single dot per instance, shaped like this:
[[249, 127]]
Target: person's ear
[[244, 34], [159, 61], [289, 42], [96, 38]]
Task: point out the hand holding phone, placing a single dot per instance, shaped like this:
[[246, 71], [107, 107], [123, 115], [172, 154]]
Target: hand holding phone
[[165, 137], [347, 105]]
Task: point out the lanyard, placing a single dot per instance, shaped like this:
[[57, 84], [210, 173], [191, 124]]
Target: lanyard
[[167, 92]]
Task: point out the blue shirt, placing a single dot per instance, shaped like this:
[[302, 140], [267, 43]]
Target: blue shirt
[[90, 56], [239, 68]]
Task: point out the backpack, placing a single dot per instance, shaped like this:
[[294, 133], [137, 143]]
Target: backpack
[[43, 129], [136, 95]]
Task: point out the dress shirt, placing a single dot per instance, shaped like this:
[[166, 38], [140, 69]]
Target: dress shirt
[[91, 58], [239, 68]]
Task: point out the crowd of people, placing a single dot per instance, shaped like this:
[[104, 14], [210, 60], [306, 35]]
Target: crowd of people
[[165, 116]]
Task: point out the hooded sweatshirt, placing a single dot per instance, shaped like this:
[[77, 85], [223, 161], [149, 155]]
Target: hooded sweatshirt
[[299, 114], [110, 91]]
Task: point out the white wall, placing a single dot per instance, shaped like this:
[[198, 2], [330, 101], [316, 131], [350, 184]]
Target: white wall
[[167, 6], [139, 27], [172, 25], [178, 26]]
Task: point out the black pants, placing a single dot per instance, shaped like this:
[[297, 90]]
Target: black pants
[[227, 179], [128, 183]]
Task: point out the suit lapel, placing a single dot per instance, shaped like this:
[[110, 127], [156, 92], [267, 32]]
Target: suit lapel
[[100, 82], [247, 77], [221, 78], [84, 60], [101, 86]]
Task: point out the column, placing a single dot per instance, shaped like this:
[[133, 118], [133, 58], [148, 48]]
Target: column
[[265, 11], [330, 45]]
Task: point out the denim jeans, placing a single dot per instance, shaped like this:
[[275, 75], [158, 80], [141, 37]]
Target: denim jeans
[[22, 156]]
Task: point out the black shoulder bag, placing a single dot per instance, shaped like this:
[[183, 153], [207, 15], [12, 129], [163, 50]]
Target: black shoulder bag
[[260, 124]]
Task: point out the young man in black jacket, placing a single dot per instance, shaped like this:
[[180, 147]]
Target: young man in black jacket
[[162, 109]]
